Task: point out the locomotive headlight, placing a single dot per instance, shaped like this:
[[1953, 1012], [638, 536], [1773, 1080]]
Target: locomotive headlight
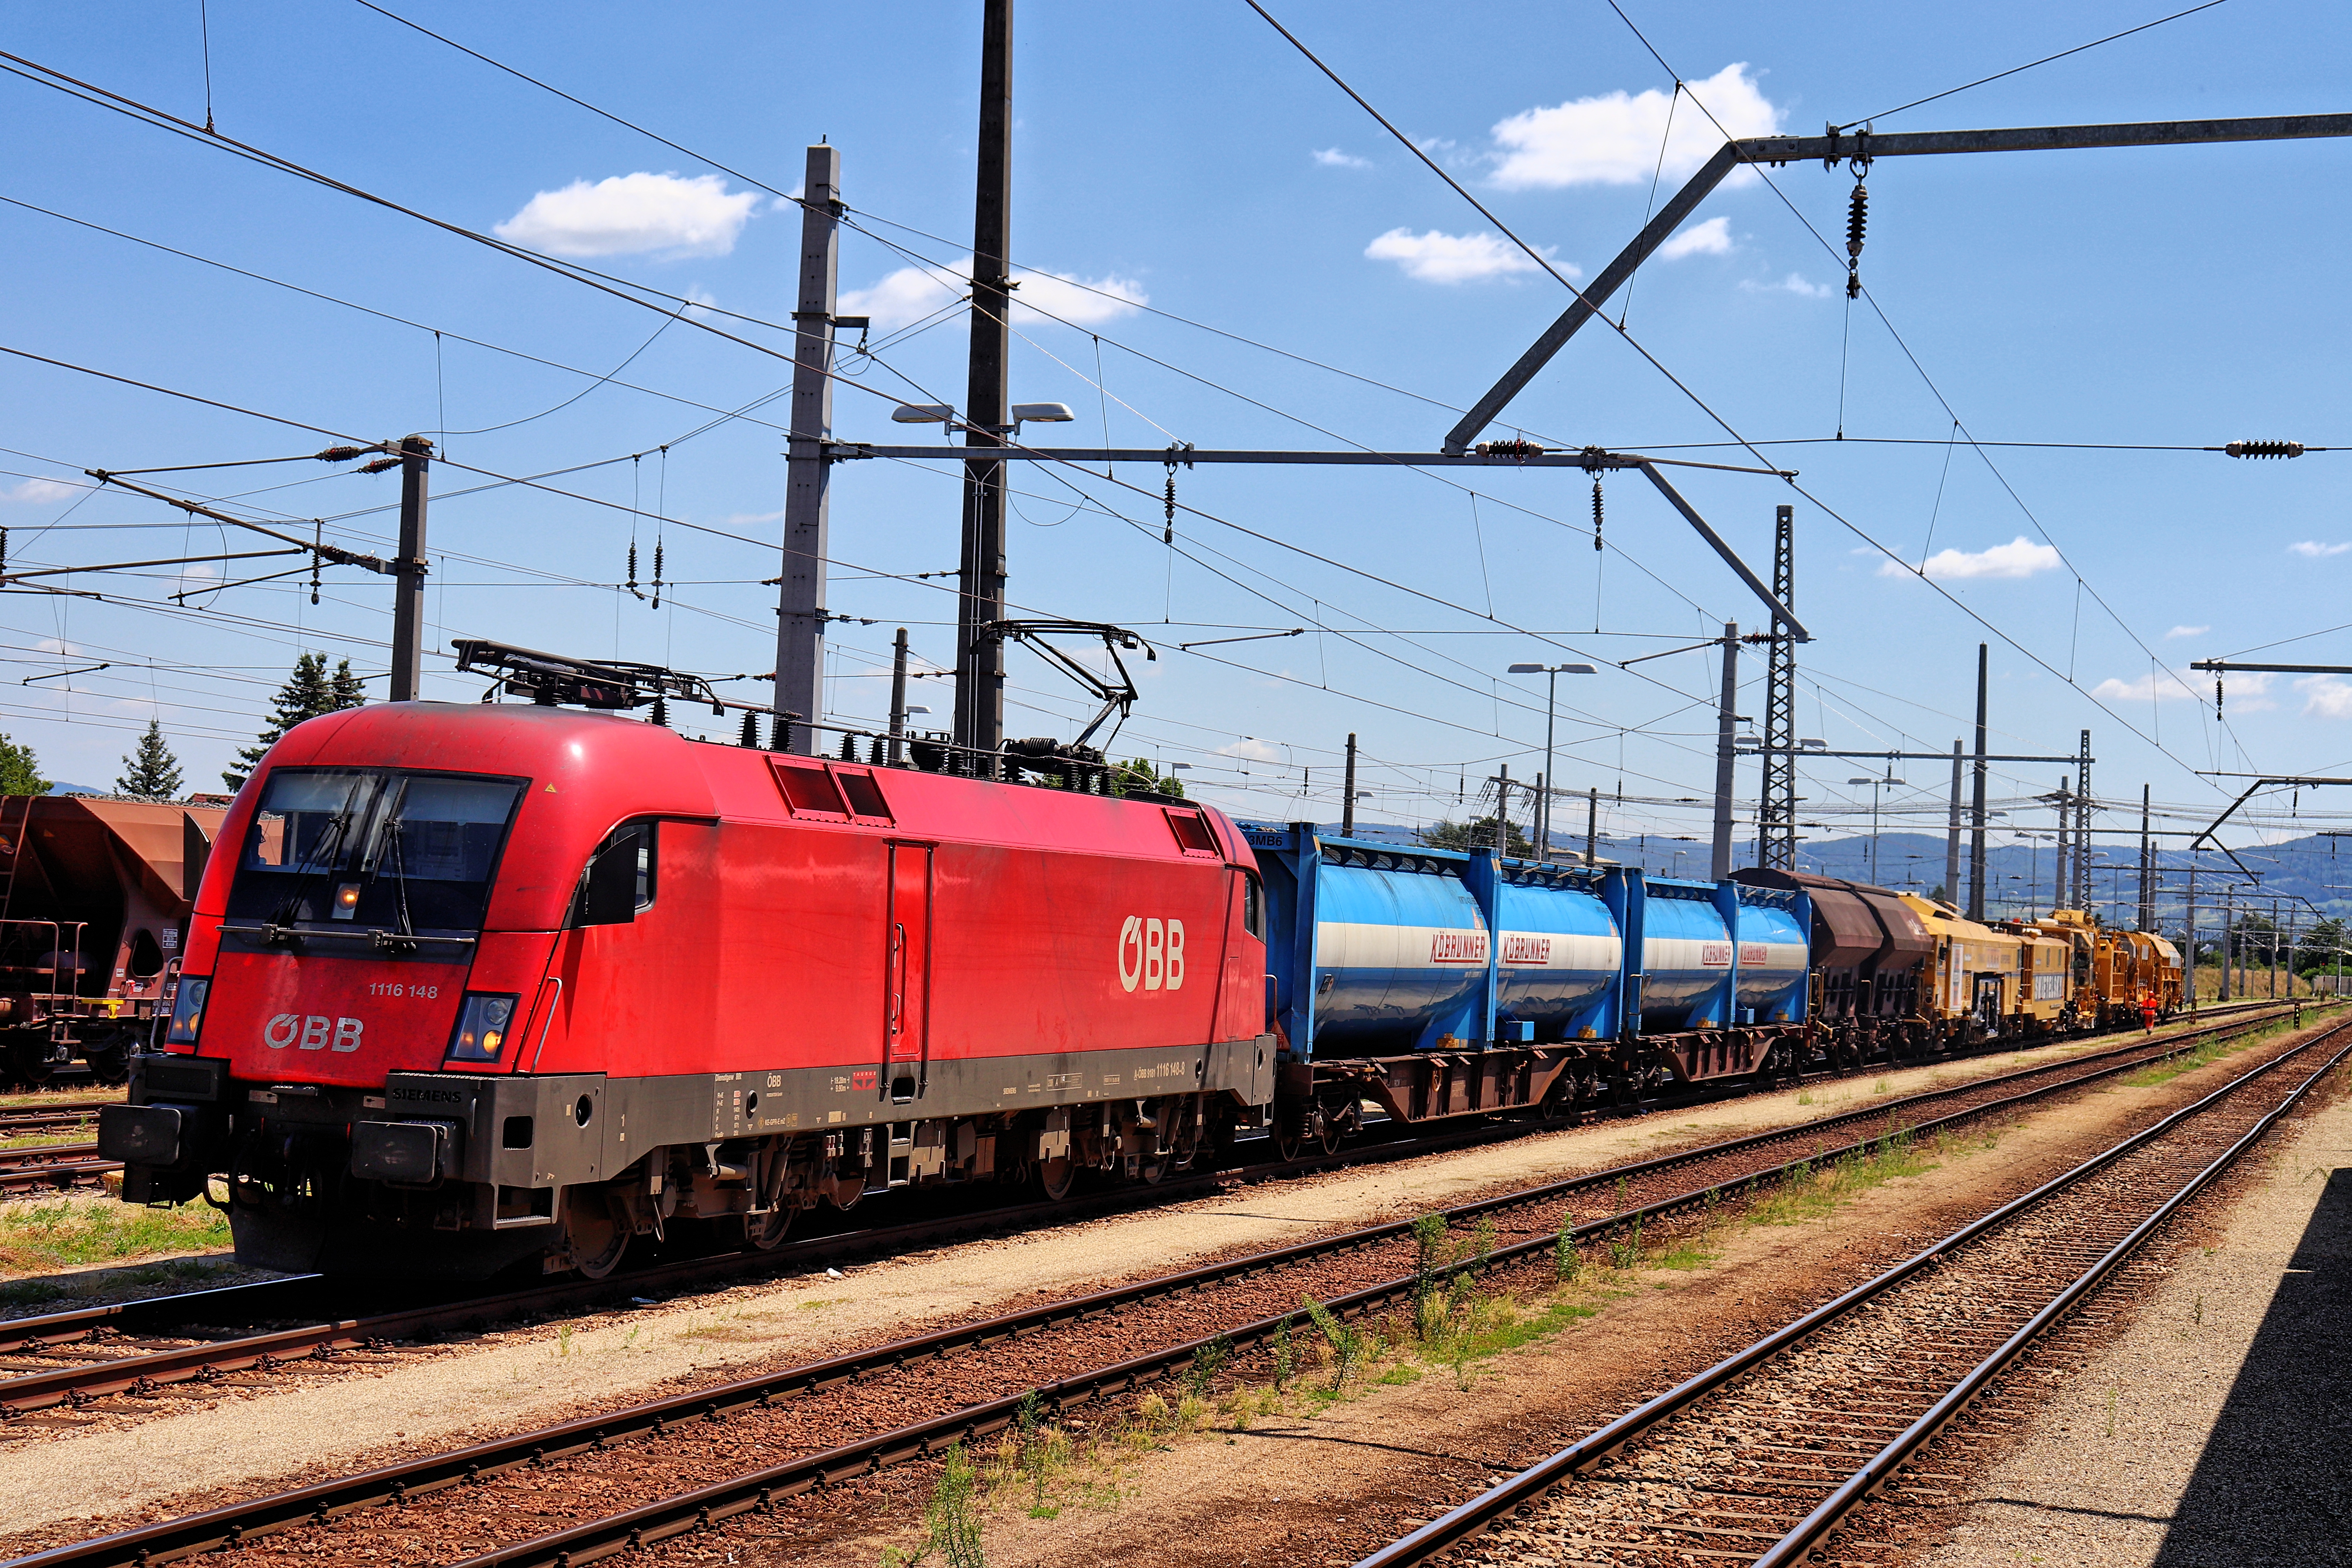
[[347, 901], [482, 1026], [188, 1011]]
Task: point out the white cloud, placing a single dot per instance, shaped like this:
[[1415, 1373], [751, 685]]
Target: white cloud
[[630, 214], [1794, 283], [910, 293], [2021, 557], [2161, 685], [2186, 632], [2312, 549], [2324, 697], [1439, 257], [37, 492], [1333, 158], [1250, 750], [1712, 237], [2249, 693], [1613, 138]]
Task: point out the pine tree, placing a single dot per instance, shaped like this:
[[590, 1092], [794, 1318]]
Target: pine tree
[[20, 771], [308, 693], [150, 772], [347, 690]]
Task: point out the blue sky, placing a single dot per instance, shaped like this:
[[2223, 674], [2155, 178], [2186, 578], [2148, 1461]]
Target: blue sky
[[1187, 160]]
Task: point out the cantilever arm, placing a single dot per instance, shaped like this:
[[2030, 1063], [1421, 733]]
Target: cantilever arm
[[1781, 612]]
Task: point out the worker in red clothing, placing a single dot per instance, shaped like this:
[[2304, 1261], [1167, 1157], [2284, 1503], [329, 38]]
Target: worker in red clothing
[[2147, 1011]]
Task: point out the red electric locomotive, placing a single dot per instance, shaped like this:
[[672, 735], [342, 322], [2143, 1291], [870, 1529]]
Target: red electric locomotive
[[469, 985]]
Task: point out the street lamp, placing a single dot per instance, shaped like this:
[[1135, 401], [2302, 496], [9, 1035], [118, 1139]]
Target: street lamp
[[1552, 674], [1874, 785], [944, 414]]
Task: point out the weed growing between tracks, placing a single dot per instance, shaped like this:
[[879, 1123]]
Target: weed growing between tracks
[[49, 1140], [2206, 1055], [64, 1233]]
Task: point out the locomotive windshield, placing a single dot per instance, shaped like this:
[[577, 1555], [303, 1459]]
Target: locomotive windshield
[[372, 849]]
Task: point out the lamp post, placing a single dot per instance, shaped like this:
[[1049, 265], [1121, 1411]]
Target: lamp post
[[1552, 674], [1874, 785]]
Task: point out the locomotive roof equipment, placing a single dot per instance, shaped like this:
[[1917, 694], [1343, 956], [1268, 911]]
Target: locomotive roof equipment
[[552, 679], [1121, 695]]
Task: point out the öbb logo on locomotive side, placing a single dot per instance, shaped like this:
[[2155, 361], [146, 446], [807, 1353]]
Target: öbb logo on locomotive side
[[313, 1033], [1457, 947], [1522, 949], [1151, 955]]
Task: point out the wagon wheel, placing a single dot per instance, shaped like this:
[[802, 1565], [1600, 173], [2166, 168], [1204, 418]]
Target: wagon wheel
[[1289, 1137], [1333, 1124], [1056, 1177], [766, 1232], [596, 1233]]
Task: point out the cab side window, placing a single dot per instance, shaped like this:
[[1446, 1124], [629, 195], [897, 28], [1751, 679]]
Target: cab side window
[[619, 880], [1253, 905]]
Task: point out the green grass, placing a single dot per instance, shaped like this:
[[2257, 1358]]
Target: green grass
[[44, 1140], [2206, 1055], [67, 1233], [1806, 1192]]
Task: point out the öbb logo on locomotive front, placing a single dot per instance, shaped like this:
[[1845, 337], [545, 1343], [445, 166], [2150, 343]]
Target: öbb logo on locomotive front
[[312, 1032], [1151, 955]]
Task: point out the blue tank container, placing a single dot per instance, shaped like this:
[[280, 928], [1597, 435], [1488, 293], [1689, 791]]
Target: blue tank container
[[1400, 954], [1686, 957], [1559, 953], [1775, 955]]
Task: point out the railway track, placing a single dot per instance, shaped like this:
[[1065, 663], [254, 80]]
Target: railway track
[[803, 1420], [1763, 1456], [55, 1165], [141, 1347]]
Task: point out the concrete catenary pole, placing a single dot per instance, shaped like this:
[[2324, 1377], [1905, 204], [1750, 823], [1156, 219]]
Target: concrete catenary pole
[[898, 693], [1952, 837], [408, 584], [1348, 795], [800, 596], [2146, 867], [1976, 801], [980, 659], [1726, 722], [2188, 936], [1592, 827]]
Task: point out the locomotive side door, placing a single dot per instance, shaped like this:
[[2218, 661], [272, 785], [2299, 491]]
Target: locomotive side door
[[907, 972]]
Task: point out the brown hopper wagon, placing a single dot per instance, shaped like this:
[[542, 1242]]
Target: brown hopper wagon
[[94, 900]]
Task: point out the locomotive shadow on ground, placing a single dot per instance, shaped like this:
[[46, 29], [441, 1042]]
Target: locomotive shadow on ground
[[2271, 1486]]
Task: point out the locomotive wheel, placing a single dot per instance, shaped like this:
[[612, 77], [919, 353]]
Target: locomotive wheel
[[766, 1232], [1058, 1176], [595, 1234], [1157, 1168], [1289, 1138]]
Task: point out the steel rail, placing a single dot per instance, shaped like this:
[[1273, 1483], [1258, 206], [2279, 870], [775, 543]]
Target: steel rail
[[36, 1153], [15, 1124], [221, 1527], [84, 1382], [1472, 1518]]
